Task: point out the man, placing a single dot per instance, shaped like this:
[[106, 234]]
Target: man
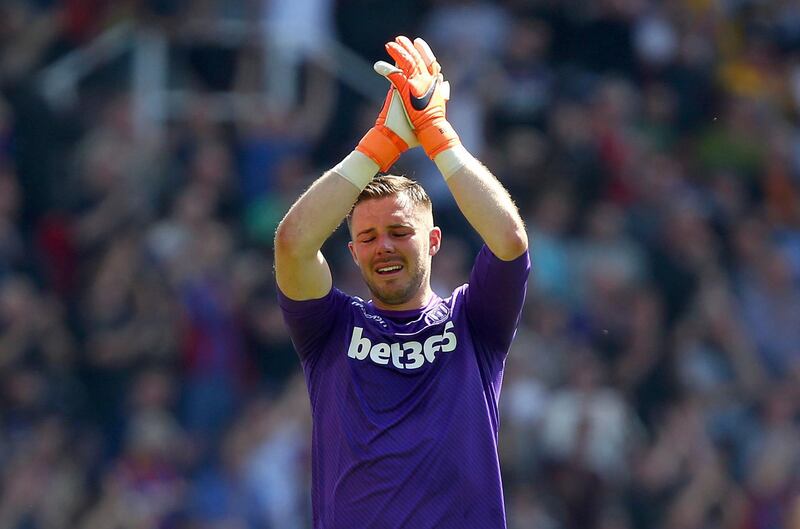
[[404, 388]]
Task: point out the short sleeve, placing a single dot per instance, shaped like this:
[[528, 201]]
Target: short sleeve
[[310, 322], [494, 297]]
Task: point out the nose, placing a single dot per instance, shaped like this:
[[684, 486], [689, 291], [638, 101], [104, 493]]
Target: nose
[[385, 244]]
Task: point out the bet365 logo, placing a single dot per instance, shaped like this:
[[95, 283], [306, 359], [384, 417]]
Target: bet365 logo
[[405, 355]]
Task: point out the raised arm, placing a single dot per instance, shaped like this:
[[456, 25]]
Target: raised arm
[[480, 196], [300, 268], [484, 202]]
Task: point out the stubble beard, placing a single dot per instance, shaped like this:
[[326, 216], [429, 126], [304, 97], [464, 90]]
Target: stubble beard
[[401, 294]]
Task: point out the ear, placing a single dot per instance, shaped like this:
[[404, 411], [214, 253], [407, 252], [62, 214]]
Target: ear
[[352, 248], [435, 240]]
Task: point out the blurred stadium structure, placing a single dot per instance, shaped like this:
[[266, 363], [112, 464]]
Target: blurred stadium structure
[[149, 147]]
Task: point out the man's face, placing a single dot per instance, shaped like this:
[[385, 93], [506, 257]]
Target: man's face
[[393, 242]]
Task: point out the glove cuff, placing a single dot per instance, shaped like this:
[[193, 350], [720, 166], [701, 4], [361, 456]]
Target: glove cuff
[[437, 137], [382, 145]]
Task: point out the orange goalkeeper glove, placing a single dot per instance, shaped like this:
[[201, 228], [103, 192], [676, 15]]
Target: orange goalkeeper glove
[[423, 91], [391, 135]]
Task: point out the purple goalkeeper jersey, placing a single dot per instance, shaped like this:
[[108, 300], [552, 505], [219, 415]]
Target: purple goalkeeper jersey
[[405, 403]]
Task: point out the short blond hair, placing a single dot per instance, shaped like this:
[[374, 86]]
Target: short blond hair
[[383, 186]]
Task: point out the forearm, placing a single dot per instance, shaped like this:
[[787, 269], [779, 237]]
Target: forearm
[[320, 210], [423, 93], [485, 203]]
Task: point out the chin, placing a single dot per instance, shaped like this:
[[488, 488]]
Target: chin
[[397, 293], [395, 296], [392, 298]]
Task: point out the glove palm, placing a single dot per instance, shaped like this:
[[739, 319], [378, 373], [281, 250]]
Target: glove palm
[[391, 135], [423, 91]]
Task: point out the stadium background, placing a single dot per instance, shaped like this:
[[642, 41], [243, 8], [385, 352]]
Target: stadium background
[[149, 147]]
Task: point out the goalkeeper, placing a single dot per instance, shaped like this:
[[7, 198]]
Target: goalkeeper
[[404, 387]]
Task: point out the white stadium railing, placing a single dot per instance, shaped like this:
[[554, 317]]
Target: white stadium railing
[[155, 102]]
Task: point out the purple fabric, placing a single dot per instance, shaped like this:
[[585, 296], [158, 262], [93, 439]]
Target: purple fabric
[[405, 403]]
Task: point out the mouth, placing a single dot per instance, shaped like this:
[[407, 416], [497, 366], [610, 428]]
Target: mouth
[[386, 270]]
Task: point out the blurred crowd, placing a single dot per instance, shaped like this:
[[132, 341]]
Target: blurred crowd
[[146, 379]]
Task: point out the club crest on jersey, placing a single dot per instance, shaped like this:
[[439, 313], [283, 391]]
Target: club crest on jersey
[[438, 314], [411, 354]]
